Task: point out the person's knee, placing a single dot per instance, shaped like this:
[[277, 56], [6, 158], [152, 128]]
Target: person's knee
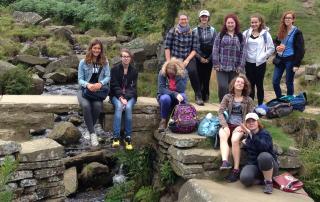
[[265, 161], [85, 105], [165, 99], [246, 179], [223, 135]]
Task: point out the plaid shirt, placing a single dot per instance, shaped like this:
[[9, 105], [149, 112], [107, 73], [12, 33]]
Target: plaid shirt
[[180, 44], [228, 53], [208, 34]]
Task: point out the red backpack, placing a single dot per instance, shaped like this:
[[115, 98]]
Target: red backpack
[[184, 119]]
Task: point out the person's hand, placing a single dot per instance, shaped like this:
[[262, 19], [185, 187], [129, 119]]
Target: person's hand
[[203, 60], [216, 67], [238, 70], [179, 97], [91, 87], [98, 86], [295, 69], [123, 101], [245, 129], [280, 48], [186, 62]]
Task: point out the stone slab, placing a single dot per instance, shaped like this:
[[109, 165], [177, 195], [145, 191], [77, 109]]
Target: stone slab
[[179, 140], [28, 182], [210, 191], [48, 172], [184, 170], [70, 181], [194, 155], [40, 164], [49, 192], [9, 147], [7, 134], [288, 162], [22, 174], [43, 149]]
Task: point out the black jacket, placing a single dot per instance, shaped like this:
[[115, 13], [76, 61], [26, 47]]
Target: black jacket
[[258, 143], [298, 46], [130, 85]]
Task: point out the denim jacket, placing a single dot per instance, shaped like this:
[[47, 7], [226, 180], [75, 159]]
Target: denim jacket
[[85, 73]]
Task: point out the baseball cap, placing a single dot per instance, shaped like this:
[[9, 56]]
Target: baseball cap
[[252, 116], [204, 12]]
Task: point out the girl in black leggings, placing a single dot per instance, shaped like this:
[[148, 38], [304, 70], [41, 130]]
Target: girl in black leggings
[[262, 161]]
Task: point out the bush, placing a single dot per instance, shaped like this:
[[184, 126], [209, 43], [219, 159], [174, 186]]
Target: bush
[[16, 81], [310, 157], [56, 47], [146, 194], [167, 175], [7, 168], [120, 191]]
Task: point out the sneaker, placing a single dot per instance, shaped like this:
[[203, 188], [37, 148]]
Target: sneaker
[[128, 143], [199, 101], [86, 135], [94, 140], [268, 187], [225, 165], [233, 176], [162, 126], [115, 142]]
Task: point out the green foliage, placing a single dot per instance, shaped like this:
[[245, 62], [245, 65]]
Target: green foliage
[[310, 157], [120, 191], [7, 168], [167, 175], [6, 2], [147, 84], [16, 81], [146, 194], [56, 47]]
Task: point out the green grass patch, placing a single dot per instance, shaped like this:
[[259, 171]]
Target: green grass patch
[[278, 136], [57, 47]]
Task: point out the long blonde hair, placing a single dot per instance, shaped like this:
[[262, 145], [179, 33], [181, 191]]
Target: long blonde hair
[[176, 64]]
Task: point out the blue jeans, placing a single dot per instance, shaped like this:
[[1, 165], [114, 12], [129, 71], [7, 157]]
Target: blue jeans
[[167, 103], [277, 75], [118, 109]]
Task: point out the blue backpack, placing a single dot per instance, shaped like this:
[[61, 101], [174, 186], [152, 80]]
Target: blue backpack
[[209, 127], [298, 102]]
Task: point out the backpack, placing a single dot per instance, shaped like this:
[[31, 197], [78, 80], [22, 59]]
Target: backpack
[[183, 119], [278, 108], [209, 126], [298, 102]]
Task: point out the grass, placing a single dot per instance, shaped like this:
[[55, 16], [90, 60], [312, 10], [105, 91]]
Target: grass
[[57, 47]]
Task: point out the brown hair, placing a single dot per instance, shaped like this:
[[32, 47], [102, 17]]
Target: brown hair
[[246, 88], [101, 59], [176, 64], [283, 31], [260, 18], [236, 19], [125, 50]]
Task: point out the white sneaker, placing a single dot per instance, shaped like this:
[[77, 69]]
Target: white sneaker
[[86, 135], [94, 140]]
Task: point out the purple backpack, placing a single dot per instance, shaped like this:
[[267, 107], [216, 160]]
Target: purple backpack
[[184, 119]]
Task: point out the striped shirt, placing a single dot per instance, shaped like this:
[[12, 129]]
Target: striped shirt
[[180, 44], [228, 53]]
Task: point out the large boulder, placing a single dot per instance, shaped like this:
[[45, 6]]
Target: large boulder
[[150, 65], [70, 73], [5, 66], [95, 175], [26, 17], [70, 181], [107, 41], [9, 147], [7, 134], [40, 70], [37, 86], [123, 38], [95, 33], [56, 77], [32, 60], [45, 22], [71, 61], [65, 133], [65, 33]]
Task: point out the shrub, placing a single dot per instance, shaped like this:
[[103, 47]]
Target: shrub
[[56, 47], [7, 168], [8, 48], [16, 81], [120, 191], [167, 175], [146, 194]]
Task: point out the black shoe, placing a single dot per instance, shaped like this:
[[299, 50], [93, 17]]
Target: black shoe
[[205, 98], [233, 176], [199, 101]]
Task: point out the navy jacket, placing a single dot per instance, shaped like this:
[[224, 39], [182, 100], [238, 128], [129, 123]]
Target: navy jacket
[[260, 142], [163, 85]]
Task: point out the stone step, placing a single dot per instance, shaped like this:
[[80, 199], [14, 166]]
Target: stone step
[[179, 140], [210, 191], [194, 155]]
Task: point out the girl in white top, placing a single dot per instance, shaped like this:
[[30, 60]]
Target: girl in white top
[[259, 47]]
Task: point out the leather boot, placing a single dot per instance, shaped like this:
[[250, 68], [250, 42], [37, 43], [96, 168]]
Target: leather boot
[[162, 125]]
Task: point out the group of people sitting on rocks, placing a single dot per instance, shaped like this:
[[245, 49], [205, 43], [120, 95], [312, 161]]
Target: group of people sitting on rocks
[[240, 63]]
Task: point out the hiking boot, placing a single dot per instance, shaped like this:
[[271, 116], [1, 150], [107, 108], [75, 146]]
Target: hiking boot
[[268, 187], [199, 101], [162, 125], [225, 165], [128, 143], [115, 142], [86, 135], [94, 140], [233, 176]]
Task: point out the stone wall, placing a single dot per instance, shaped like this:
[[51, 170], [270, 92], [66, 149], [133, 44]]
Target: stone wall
[[39, 174]]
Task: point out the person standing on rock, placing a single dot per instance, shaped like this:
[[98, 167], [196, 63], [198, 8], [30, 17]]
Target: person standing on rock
[[262, 162], [290, 51], [93, 74], [172, 82], [123, 94], [228, 54], [181, 43], [259, 47], [232, 111], [206, 35]]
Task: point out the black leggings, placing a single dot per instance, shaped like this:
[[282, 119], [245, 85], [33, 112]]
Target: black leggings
[[194, 77], [250, 173], [255, 75], [204, 70]]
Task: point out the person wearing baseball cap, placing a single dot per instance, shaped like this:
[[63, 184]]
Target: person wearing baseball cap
[[205, 35], [262, 162]]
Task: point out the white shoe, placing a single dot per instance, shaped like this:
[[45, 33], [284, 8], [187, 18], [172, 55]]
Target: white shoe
[[94, 140], [86, 135]]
